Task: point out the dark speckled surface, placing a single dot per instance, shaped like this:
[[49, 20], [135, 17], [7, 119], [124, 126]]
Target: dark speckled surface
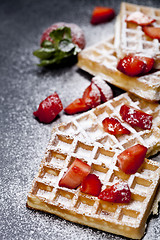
[[22, 87]]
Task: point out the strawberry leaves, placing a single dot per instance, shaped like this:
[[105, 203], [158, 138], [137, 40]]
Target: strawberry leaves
[[59, 50]]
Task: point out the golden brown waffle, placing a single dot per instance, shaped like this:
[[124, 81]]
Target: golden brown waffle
[[130, 38], [89, 126], [101, 59], [124, 219]]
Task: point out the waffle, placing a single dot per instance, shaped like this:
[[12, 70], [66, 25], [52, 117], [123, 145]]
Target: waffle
[[89, 126], [130, 38], [101, 59], [73, 205]]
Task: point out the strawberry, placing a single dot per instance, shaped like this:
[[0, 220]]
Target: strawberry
[[135, 117], [91, 185], [152, 32], [105, 90], [113, 126], [102, 14], [117, 193], [92, 96], [76, 33], [76, 106], [149, 63], [131, 159], [75, 174], [139, 18], [131, 65], [49, 108]]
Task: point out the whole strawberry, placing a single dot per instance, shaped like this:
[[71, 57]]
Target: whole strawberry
[[60, 43], [76, 33]]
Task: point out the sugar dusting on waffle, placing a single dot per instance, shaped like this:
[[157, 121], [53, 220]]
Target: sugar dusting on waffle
[[124, 219], [89, 126], [130, 38], [79, 138], [101, 59]]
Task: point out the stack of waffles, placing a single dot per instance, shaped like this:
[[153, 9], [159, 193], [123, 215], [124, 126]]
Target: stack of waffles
[[101, 59], [84, 138]]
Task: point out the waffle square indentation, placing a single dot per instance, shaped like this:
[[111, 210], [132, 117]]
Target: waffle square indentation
[[63, 143], [104, 156], [100, 170], [57, 159], [83, 150], [117, 176], [101, 113], [69, 128], [86, 121], [94, 132], [141, 184], [85, 205], [64, 197], [106, 209], [129, 216], [49, 175], [42, 190]]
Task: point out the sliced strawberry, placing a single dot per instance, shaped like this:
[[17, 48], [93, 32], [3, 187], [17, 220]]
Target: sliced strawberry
[[104, 88], [76, 106], [102, 14], [92, 96], [131, 159], [75, 174], [91, 185], [76, 32], [135, 117], [49, 108], [117, 193], [140, 18], [152, 32], [149, 63], [131, 65], [113, 126]]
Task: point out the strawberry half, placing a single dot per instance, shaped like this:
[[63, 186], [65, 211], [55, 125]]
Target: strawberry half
[[131, 159], [75, 174], [49, 108], [131, 65], [140, 18], [105, 90], [91, 185], [117, 193], [92, 96], [113, 126], [152, 32], [76, 106], [102, 14], [135, 117]]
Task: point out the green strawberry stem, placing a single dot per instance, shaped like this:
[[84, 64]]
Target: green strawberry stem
[[57, 52]]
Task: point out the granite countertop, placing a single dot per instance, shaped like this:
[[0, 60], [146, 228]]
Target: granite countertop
[[23, 85]]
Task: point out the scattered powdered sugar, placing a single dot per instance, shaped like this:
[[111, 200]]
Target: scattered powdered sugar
[[24, 140]]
